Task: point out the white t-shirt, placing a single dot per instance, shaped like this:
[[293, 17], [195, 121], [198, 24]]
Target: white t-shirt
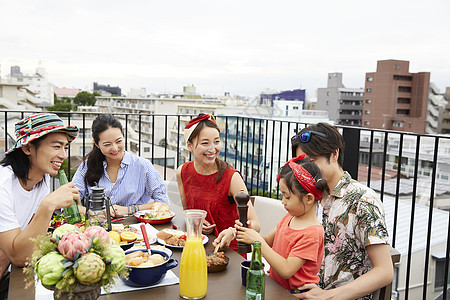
[[17, 206]]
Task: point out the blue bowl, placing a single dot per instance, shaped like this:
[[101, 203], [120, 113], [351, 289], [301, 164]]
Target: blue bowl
[[145, 276], [125, 247]]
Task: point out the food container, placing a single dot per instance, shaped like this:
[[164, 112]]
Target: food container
[[127, 246], [145, 276], [218, 268]]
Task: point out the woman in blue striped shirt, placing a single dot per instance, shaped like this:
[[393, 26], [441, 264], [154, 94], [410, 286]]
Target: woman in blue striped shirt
[[131, 182]]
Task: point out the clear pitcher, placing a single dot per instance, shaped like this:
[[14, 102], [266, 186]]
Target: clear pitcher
[[193, 267]]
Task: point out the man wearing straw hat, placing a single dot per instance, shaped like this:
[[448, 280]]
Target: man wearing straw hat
[[26, 204]]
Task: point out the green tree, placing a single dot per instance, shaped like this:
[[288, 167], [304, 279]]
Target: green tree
[[61, 106], [84, 99]]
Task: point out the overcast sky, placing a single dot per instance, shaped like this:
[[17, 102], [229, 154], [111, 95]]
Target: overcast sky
[[235, 46]]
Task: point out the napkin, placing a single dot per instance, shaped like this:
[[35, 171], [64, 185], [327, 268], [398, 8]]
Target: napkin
[[41, 293]]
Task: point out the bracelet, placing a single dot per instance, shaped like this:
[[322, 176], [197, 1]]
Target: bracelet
[[138, 209], [234, 232], [129, 212]]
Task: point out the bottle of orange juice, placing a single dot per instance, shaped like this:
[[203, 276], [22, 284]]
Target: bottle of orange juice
[[193, 268]]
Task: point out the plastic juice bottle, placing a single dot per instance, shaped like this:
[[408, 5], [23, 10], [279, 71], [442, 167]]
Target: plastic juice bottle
[[72, 212], [193, 270], [193, 266]]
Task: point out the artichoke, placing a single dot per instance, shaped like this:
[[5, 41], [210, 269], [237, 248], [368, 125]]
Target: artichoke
[[49, 268], [73, 242], [63, 229], [97, 231], [90, 269], [117, 257]]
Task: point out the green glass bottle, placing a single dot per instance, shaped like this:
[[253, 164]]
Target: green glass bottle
[[255, 275], [72, 212]]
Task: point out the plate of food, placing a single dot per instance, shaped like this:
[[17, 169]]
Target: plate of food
[[175, 238], [128, 235], [159, 213]]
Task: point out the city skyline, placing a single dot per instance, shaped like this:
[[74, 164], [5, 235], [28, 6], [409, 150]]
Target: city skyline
[[222, 46]]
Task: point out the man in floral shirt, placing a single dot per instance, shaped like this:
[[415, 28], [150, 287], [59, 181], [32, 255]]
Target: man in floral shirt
[[357, 258]]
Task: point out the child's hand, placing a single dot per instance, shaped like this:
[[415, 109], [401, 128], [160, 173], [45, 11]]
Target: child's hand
[[249, 223], [247, 235]]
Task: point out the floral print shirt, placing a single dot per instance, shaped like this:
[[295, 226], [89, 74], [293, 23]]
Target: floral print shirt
[[353, 218]]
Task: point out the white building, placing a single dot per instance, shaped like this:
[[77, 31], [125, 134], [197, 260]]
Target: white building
[[436, 105], [37, 83], [17, 96], [162, 119]]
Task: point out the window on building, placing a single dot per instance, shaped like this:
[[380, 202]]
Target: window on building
[[404, 100], [404, 89], [328, 93], [439, 271], [403, 78], [295, 108], [368, 101], [369, 79], [146, 149], [367, 112], [366, 123], [403, 112], [397, 124], [369, 90]]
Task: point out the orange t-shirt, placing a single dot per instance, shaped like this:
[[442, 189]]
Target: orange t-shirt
[[304, 243]]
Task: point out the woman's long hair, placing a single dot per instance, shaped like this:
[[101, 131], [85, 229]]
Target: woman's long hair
[[221, 165], [95, 158]]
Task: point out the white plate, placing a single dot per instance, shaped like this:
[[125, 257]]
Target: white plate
[[151, 237], [162, 242]]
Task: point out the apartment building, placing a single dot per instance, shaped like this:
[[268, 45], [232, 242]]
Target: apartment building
[[444, 126], [344, 105], [395, 98], [17, 96], [435, 110], [36, 83]]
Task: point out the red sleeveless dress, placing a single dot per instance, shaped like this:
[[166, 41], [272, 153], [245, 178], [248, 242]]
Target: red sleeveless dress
[[202, 192]]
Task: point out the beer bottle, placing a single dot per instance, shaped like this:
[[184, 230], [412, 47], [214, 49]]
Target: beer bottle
[[255, 275], [72, 212]]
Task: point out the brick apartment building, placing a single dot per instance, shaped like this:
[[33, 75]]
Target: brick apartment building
[[394, 98]]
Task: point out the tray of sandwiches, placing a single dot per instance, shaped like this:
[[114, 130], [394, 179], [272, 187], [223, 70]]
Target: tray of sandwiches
[[175, 238]]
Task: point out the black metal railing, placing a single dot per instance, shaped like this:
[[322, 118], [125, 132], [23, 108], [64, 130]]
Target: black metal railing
[[258, 147]]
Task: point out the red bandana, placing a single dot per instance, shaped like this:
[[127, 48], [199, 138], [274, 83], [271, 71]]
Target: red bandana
[[194, 122], [303, 177]]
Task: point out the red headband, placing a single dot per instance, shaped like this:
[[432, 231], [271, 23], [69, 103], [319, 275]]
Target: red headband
[[194, 122], [303, 177]]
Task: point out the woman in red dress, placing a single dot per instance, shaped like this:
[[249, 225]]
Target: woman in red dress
[[211, 184]]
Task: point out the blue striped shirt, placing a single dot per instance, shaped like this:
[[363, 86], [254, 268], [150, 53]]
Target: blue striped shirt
[[137, 182]]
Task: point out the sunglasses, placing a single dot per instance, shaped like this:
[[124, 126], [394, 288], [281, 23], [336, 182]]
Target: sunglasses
[[306, 136]]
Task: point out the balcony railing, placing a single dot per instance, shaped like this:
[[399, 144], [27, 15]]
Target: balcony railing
[[415, 196]]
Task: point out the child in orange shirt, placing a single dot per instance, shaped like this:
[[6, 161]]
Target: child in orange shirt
[[294, 249]]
